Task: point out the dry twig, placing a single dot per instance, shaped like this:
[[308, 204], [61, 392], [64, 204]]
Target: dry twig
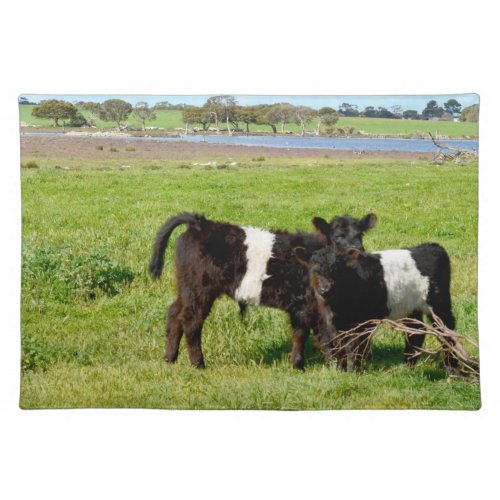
[[451, 343], [457, 154]]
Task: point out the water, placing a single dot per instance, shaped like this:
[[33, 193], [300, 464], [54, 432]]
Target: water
[[306, 142]]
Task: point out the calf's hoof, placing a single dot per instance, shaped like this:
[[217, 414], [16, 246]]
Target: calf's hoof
[[411, 359], [298, 364], [453, 371], [327, 360]]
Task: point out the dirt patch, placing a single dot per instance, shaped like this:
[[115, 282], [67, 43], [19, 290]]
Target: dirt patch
[[97, 148]]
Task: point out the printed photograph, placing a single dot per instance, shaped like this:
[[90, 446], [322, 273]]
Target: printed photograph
[[260, 252]]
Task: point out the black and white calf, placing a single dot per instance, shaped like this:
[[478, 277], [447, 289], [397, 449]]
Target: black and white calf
[[251, 265], [353, 287], [344, 231]]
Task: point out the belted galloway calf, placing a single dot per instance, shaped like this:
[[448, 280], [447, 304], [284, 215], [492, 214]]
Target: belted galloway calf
[[351, 287]]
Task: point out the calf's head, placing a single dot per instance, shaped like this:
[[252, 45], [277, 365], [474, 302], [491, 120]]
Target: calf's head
[[327, 267], [345, 232]]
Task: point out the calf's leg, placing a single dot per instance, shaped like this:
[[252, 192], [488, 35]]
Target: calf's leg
[[193, 317], [449, 320], [174, 331], [300, 332], [441, 305], [414, 342], [344, 346], [193, 339], [325, 341], [324, 331]]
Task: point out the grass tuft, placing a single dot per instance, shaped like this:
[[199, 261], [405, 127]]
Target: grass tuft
[[30, 164]]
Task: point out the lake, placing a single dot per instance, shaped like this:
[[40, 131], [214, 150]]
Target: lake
[[306, 142]]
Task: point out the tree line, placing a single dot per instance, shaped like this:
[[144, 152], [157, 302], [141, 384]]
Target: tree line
[[225, 110], [449, 110]]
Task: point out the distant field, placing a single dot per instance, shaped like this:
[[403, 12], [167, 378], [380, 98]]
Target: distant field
[[173, 119], [81, 215], [388, 126]]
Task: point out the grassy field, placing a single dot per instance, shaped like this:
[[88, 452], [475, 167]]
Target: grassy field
[[93, 338], [395, 127], [172, 119]]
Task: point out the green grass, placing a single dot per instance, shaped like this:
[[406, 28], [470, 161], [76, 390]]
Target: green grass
[[172, 119], [409, 127], [83, 219]]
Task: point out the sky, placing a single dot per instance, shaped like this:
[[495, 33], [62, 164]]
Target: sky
[[417, 102]]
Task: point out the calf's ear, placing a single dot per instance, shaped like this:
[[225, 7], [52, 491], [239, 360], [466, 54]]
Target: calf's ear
[[302, 256], [368, 221], [321, 225]]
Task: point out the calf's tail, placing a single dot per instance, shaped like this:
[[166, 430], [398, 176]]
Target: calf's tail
[[160, 245]]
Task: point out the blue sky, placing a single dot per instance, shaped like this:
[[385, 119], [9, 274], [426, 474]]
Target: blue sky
[[416, 102]]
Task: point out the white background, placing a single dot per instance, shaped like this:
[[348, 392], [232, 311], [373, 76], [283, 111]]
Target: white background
[[384, 47]]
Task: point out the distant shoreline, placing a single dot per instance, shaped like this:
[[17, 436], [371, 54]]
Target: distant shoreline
[[113, 148], [89, 132]]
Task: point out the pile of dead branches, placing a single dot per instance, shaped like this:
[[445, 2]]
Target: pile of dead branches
[[452, 153], [450, 342]]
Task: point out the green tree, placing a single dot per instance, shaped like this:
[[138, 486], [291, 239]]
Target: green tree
[[115, 110], [282, 113], [397, 111], [326, 110], [162, 105], [24, 101], [330, 119], [55, 110], [94, 107], [266, 116], [370, 112], [303, 115], [470, 114], [384, 113], [78, 120], [410, 114], [432, 110], [247, 115], [452, 106], [225, 108], [326, 116], [190, 115], [347, 109], [196, 114], [143, 112]]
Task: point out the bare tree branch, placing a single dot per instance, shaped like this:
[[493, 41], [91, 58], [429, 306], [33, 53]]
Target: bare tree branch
[[451, 343], [457, 155]]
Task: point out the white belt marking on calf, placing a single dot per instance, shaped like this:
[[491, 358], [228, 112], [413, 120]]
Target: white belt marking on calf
[[259, 250], [407, 287]]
